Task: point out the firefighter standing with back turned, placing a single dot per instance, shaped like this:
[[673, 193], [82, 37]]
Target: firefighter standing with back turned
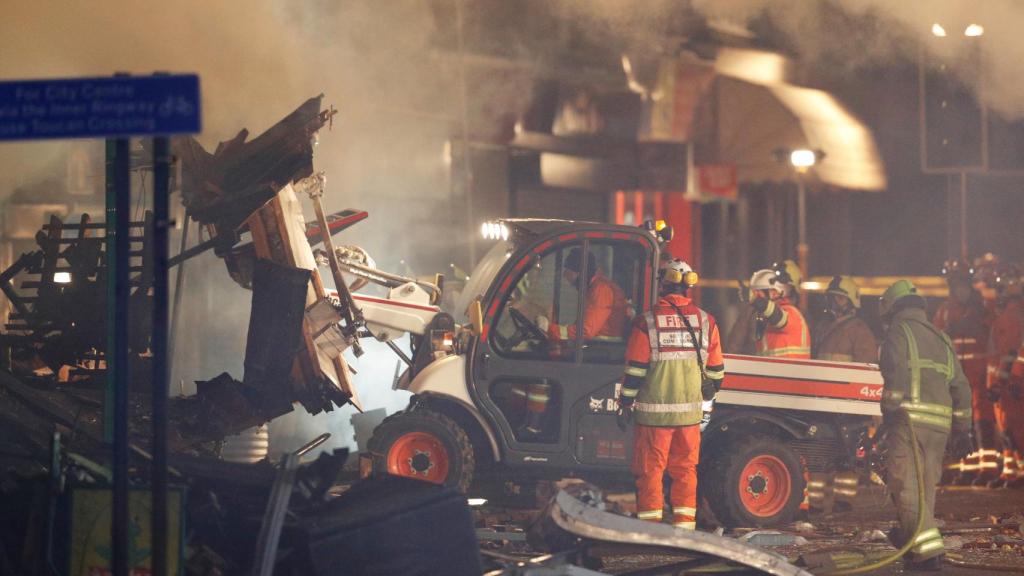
[[962, 316], [674, 365], [924, 387]]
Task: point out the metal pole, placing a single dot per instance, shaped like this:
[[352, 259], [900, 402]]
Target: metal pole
[[111, 262], [119, 353], [159, 346], [963, 215], [179, 282], [802, 249], [467, 172]]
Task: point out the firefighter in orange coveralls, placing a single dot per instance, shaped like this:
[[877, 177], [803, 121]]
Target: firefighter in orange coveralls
[[603, 319], [605, 314], [674, 366], [781, 329], [998, 284], [962, 316]]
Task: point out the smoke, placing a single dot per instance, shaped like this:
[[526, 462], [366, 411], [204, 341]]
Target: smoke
[[257, 60], [843, 37]]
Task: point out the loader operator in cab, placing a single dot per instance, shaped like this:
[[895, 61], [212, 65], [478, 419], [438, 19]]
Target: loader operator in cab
[[604, 317]]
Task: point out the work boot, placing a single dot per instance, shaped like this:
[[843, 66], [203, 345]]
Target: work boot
[[933, 564]]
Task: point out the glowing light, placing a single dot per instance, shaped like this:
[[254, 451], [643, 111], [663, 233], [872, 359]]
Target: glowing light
[[938, 30], [446, 153], [476, 501], [62, 277], [802, 158], [974, 30], [494, 231]]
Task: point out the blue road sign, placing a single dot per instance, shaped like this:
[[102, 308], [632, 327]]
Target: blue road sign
[[100, 107]]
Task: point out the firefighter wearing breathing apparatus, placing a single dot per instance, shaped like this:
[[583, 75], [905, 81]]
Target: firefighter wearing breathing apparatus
[[781, 331], [674, 368], [845, 338], [925, 388]]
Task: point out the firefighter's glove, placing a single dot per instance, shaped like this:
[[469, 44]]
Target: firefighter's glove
[[961, 444], [624, 417], [543, 323], [760, 304], [708, 389]]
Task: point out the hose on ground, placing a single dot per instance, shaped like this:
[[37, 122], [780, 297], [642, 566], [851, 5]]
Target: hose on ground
[[885, 561]]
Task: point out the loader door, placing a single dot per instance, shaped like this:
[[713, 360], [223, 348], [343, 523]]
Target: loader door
[[550, 386]]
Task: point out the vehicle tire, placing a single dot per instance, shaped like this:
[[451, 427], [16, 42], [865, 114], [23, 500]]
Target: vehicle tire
[[424, 445], [758, 482]]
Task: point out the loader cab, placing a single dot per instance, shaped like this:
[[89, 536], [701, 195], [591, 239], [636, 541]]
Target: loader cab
[[546, 367]]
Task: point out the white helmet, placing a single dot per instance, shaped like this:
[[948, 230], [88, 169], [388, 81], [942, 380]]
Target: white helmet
[[766, 280], [676, 271]]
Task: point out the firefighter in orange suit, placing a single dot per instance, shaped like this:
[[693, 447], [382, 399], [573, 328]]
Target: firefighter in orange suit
[[603, 319], [674, 366], [781, 329], [605, 314], [998, 284], [963, 317]]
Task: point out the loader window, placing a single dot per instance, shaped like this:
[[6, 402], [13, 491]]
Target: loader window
[[541, 316], [540, 302], [614, 297]]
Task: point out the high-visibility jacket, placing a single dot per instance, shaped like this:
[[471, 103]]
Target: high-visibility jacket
[[847, 339], [922, 377], [604, 316], [786, 334], [662, 370]]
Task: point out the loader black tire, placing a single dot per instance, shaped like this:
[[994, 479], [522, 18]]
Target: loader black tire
[[758, 482], [425, 445]]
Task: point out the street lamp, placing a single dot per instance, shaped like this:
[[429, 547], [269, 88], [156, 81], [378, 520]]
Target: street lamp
[[802, 160]]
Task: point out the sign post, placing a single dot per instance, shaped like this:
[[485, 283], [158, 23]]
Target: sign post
[[118, 108]]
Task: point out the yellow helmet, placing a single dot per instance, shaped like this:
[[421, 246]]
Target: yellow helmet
[[788, 272], [845, 286]]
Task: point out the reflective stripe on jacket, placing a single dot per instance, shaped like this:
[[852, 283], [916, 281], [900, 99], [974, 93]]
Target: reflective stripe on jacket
[[923, 378], [662, 370], [786, 334]]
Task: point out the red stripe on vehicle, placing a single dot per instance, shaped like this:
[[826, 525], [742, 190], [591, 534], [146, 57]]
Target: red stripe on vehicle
[[505, 284], [622, 236], [815, 388], [595, 235], [572, 236], [543, 246], [394, 303]]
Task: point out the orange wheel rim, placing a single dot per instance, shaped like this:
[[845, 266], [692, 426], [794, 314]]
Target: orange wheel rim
[[419, 455], [765, 486]]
